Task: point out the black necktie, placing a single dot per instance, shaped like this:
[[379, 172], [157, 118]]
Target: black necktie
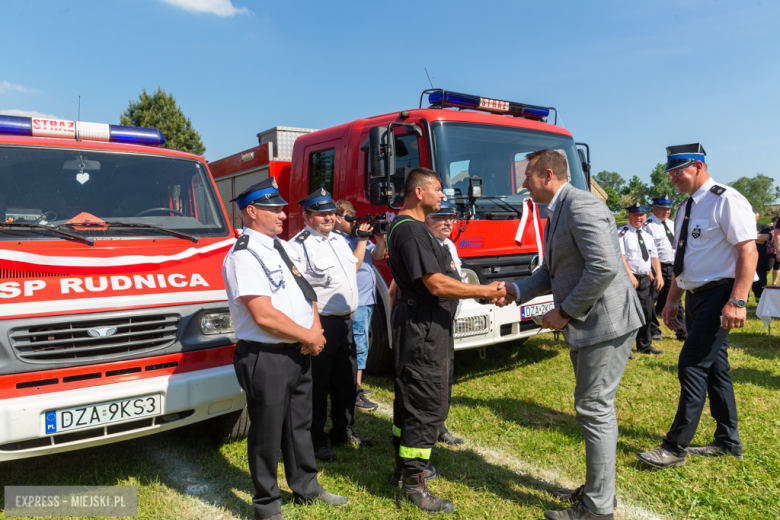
[[645, 255], [679, 255], [307, 290], [669, 234]]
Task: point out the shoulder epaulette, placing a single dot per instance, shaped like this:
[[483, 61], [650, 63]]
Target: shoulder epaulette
[[718, 190], [303, 235], [649, 220], [623, 231], [338, 232], [242, 243]]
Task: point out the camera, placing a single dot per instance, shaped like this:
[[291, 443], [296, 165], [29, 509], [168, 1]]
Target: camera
[[379, 222]]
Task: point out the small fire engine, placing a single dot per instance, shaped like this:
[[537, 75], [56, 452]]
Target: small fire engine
[[477, 145], [113, 314]]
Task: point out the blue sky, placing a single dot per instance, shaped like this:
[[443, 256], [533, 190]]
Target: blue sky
[[629, 78]]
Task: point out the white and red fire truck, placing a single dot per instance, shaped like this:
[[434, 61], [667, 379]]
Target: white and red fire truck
[[113, 315], [477, 145]]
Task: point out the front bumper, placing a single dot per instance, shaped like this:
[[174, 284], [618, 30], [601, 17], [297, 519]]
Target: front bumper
[[485, 325], [187, 398]]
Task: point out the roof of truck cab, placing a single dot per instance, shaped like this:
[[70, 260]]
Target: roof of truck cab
[[51, 142]]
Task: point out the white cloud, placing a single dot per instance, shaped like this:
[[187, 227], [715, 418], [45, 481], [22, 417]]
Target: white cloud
[[7, 86], [27, 113], [223, 8]]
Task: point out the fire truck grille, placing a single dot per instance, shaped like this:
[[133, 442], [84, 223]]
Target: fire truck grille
[[472, 326], [94, 339], [501, 268]]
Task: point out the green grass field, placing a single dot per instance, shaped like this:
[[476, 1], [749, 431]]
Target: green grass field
[[515, 409]]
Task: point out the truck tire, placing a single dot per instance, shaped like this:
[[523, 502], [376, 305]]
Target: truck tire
[[230, 427], [380, 357]]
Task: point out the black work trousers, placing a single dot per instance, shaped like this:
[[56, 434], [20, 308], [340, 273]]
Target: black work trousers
[[449, 388], [644, 338], [277, 383], [703, 369], [422, 349], [761, 271], [660, 298], [334, 372]]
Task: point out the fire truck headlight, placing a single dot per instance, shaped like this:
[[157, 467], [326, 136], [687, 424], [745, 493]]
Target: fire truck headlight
[[469, 276], [216, 323]]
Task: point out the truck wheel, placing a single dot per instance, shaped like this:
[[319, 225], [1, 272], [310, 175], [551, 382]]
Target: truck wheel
[[230, 427], [380, 357]]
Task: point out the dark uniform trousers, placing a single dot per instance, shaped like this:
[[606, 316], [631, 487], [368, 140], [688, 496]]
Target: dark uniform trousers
[[277, 382], [704, 369], [660, 298], [761, 271], [422, 349], [644, 338], [335, 374], [449, 389]]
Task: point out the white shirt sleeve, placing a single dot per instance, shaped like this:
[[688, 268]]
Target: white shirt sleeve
[[622, 245], [737, 220]]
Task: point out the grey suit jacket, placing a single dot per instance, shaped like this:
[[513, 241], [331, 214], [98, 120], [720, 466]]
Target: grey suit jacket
[[584, 270]]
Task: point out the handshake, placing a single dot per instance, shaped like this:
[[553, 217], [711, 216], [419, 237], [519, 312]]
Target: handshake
[[498, 293]]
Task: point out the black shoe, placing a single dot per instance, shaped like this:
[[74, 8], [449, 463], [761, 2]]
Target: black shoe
[[661, 459], [448, 438], [714, 450], [324, 454], [430, 473], [574, 495], [651, 350], [631, 356], [683, 337], [354, 440], [362, 403], [324, 498], [365, 391], [277, 516], [577, 512], [657, 336], [415, 491]]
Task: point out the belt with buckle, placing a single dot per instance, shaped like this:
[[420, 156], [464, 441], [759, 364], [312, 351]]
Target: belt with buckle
[[711, 285], [337, 316], [257, 344]]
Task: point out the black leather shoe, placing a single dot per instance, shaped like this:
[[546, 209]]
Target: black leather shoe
[[631, 356], [574, 495], [324, 497], [355, 441], [577, 512], [683, 337], [431, 473], [714, 450], [657, 336], [448, 438], [362, 403], [277, 516], [415, 491], [324, 454], [651, 350], [661, 459]]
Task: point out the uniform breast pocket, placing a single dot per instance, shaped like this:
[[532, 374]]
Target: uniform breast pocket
[[320, 272], [701, 231], [276, 277], [631, 249]]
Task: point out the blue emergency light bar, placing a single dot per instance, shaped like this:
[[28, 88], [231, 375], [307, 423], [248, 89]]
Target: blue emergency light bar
[[79, 130], [444, 98]]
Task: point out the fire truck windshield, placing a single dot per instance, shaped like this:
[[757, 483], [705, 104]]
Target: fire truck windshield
[[140, 195], [497, 155]]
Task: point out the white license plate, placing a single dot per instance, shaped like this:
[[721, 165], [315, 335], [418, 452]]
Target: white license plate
[[102, 413], [526, 311]]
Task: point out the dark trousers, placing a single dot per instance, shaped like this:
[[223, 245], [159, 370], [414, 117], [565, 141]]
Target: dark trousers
[[703, 369], [761, 271], [334, 372], [644, 339], [449, 389], [277, 383], [422, 346], [660, 298]]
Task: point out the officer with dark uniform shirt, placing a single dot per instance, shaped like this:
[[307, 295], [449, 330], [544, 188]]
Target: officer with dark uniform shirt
[[274, 314], [715, 260], [422, 329], [661, 227]]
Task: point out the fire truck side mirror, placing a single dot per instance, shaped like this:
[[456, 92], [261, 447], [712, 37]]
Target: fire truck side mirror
[[379, 150], [381, 194]]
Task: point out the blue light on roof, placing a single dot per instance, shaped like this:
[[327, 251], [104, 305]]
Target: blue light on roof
[[444, 98], [136, 135], [57, 128], [13, 125]]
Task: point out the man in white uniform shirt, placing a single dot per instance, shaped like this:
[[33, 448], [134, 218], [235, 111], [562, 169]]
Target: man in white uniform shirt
[[640, 259], [331, 268], [274, 312], [715, 260], [662, 228]]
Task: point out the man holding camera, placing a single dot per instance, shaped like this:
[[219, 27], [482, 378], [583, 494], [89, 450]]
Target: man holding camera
[[347, 223], [331, 269]]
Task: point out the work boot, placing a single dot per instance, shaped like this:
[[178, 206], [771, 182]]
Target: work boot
[[362, 403], [651, 350], [661, 459], [448, 438], [577, 512], [324, 498], [415, 491], [657, 335], [360, 442], [324, 454], [431, 473], [631, 356], [714, 450], [575, 495], [277, 516]]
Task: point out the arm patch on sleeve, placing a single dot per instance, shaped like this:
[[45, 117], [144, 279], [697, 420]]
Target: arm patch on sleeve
[[649, 221], [623, 231], [242, 243], [303, 235], [718, 190]]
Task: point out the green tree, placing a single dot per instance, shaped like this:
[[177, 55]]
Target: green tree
[[613, 199], [160, 111], [611, 180], [662, 185], [758, 190]]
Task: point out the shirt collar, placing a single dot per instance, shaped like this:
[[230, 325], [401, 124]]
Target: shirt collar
[[551, 205], [703, 190], [259, 237], [331, 236]]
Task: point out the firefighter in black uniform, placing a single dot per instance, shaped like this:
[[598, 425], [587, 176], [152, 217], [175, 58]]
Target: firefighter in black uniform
[[422, 319]]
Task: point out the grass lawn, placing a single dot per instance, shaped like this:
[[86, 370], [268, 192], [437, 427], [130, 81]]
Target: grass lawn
[[516, 410]]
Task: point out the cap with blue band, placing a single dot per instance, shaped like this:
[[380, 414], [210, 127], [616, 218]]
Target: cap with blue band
[[683, 155], [446, 209], [663, 201], [319, 200], [265, 193], [636, 208]]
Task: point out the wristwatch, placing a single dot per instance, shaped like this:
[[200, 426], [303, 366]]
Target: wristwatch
[[738, 303], [563, 313]]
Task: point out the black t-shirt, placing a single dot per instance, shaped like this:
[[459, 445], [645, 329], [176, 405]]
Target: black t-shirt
[[762, 229], [410, 256]]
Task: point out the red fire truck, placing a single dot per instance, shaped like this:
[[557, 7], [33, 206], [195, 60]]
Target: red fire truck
[[477, 145], [113, 315]]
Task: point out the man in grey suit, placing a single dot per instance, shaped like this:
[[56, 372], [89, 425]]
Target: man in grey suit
[[598, 311]]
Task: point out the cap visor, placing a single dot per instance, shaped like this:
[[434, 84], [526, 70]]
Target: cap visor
[[679, 163], [276, 200]]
